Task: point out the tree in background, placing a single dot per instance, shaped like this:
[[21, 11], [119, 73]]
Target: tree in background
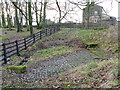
[[16, 17], [64, 10], [44, 15], [30, 17], [3, 15], [8, 16]]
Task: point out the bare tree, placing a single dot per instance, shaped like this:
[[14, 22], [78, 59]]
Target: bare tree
[[3, 14], [30, 17], [44, 15], [85, 3]]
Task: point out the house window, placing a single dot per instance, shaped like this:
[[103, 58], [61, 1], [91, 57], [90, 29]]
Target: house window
[[95, 12], [95, 20]]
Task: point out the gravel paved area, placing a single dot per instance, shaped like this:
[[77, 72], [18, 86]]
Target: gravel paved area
[[53, 67]]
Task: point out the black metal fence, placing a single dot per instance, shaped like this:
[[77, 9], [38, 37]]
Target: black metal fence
[[9, 49]]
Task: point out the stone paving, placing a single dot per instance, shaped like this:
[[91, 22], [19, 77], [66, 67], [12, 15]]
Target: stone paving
[[53, 67]]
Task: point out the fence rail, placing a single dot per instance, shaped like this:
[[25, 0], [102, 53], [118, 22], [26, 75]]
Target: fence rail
[[9, 49]]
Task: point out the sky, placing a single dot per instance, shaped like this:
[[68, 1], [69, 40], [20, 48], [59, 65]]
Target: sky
[[76, 15], [110, 8]]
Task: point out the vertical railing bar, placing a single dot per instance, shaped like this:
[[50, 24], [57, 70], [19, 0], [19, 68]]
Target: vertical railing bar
[[5, 55]]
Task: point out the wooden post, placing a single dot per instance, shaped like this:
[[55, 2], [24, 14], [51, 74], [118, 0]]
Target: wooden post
[[46, 32], [33, 38], [4, 52], [17, 48], [40, 34], [25, 43], [59, 27], [50, 31], [54, 29]]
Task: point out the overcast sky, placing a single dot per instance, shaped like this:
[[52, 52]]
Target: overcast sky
[[76, 16], [110, 8]]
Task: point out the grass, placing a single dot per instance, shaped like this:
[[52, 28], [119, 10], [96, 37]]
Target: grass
[[88, 35], [92, 65], [26, 35], [4, 37], [51, 53], [88, 74]]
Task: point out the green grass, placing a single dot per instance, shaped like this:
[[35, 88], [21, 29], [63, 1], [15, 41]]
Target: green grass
[[50, 52], [88, 35], [92, 65], [26, 35], [19, 32], [4, 37], [1, 29]]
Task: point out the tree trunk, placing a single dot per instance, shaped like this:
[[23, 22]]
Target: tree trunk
[[20, 16], [8, 16], [30, 17], [59, 11], [26, 18], [16, 18], [44, 15], [3, 15], [40, 20], [38, 25], [88, 14]]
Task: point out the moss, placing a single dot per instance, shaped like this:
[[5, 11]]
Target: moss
[[92, 65], [18, 69], [86, 81], [88, 72], [13, 85], [95, 76], [91, 45]]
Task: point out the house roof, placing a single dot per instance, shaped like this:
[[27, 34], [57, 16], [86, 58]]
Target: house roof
[[95, 5]]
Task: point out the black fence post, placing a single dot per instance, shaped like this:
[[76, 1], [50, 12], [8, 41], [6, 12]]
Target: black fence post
[[50, 31], [54, 29], [40, 34], [46, 32], [59, 27], [17, 48], [25, 43], [33, 38], [4, 52]]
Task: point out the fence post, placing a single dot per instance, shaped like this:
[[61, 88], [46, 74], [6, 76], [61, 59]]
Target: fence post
[[40, 34], [46, 32], [59, 27], [54, 29], [4, 52], [50, 31], [33, 38], [17, 48], [25, 43]]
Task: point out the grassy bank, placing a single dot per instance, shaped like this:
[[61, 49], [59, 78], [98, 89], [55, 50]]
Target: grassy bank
[[94, 75]]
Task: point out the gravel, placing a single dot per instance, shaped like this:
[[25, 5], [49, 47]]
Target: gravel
[[53, 67]]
